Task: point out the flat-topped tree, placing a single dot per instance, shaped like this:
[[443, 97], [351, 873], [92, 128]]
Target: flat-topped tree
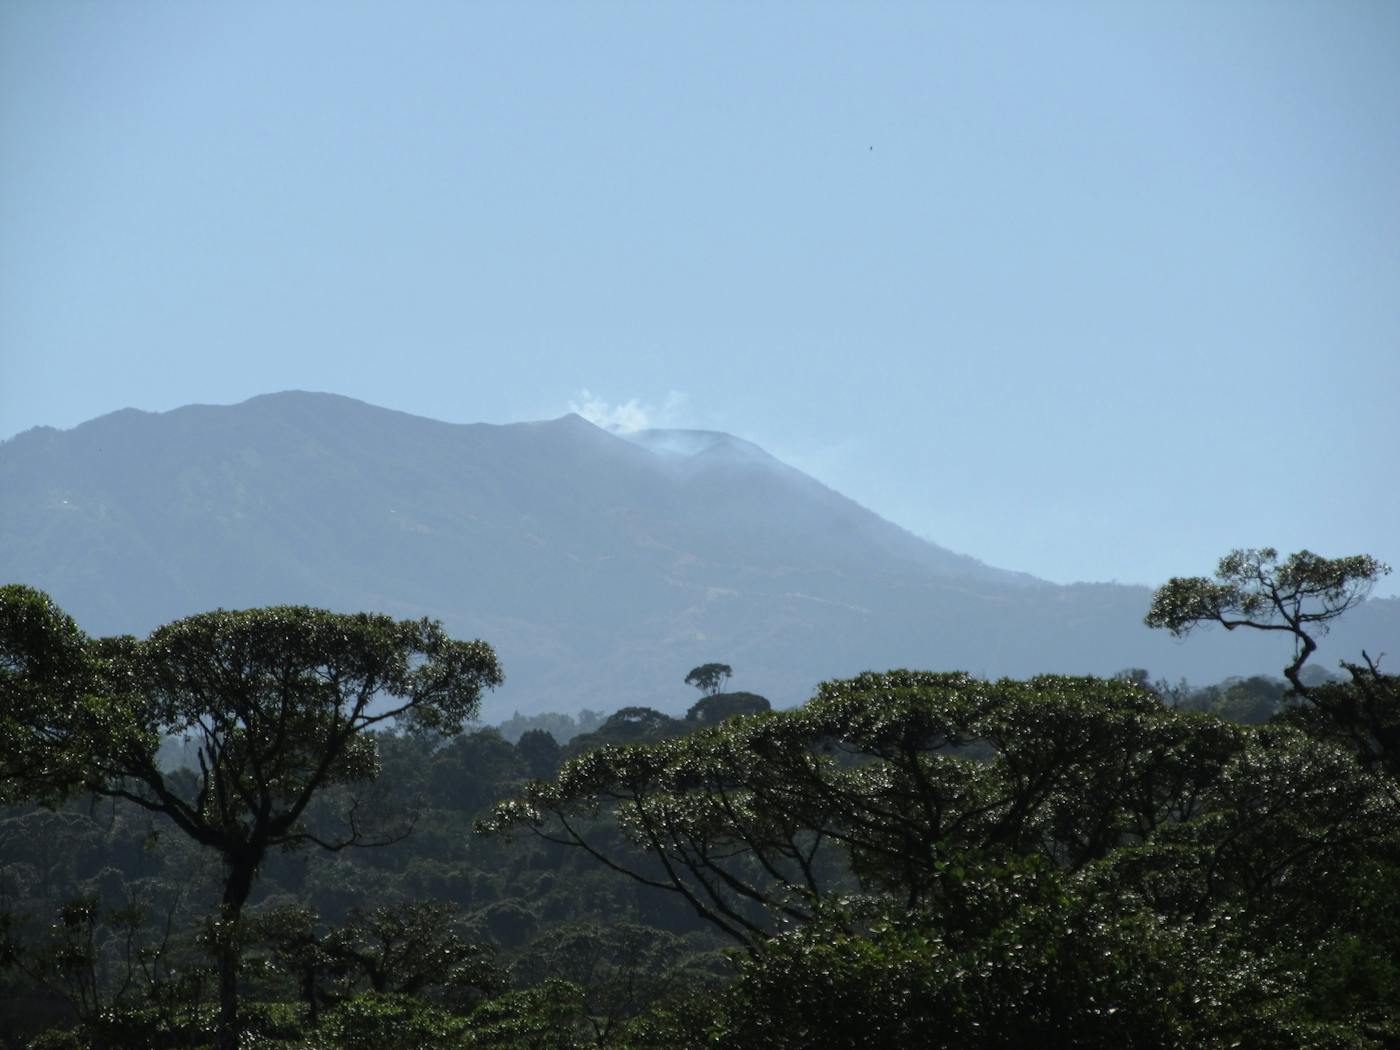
[[278, 703], [716, 707], [709, 678], [870, 787], [1252, 588]]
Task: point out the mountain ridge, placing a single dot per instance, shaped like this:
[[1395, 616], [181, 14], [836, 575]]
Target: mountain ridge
[[602, 569]]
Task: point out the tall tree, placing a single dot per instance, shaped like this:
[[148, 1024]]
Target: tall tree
[[884, 782], [45, 667], [933, 860], [278, 703], [709, 678], [1252, 588], [1301, 596]]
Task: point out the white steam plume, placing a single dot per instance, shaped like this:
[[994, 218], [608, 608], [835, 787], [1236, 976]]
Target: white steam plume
[[631, 415]]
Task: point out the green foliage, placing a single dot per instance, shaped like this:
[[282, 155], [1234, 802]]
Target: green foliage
[[273, 1024], [379, 1021], [278, 702], [910, 859], [877, 778], [409, 947], [1252, 588], [1058, 862], [1351, 984], [549, 1017], [1362, 715], [136, 1029], [540, 752], [412, 948], [265, 672], [48, 710], [1057, 972], [620, 968], [719, 706], [1249, 701], [469, 771], [563, 727], [628, 725], [511, 922]]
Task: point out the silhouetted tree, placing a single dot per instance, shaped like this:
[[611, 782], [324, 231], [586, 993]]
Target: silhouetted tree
[[541, 753], [709, 678], [719, 706], [1300, 596]]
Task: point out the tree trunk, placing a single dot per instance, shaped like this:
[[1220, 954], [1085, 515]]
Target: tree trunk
[[308, 990], [239, 870]]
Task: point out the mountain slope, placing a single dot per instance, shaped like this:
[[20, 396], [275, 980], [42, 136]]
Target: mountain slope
[[601, 568]]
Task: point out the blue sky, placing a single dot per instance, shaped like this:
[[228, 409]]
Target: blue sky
[[1092, 290]]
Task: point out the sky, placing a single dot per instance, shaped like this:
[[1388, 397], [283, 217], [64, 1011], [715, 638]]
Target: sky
[[1096, 291]]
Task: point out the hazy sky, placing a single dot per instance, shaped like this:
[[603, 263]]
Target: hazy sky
[[1091, 290]]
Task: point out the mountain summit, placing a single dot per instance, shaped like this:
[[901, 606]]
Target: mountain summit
[[601, 566]]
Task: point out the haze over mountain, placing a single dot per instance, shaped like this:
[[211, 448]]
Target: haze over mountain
[[602, 567]]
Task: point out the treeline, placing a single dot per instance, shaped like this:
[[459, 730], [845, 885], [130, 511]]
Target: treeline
[[105, 913], [909, 859]]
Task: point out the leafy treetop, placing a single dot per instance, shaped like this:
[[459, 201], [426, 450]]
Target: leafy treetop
[[709, 678], [278, 704], [1252, 588], [716, 707]]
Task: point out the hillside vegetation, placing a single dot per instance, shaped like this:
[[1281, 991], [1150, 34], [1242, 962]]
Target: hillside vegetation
[[270, 828]]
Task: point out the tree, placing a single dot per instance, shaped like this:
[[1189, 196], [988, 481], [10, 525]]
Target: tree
[[540, 752], [1363, 715], [885, 783], [718, 706], [620, 967], [400, 949], [628, 725], [933, 860], [279, 704], [1058, 971], [44, 668], [470, 772], [1139, 676], [1300, 596], [709, 678]]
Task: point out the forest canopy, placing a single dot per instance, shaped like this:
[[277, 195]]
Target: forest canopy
[[911, 858]]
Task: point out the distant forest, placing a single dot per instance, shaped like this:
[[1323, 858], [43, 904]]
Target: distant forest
[[283, 828]]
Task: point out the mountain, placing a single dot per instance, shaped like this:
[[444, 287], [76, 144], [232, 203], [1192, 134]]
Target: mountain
[[601, 567]]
